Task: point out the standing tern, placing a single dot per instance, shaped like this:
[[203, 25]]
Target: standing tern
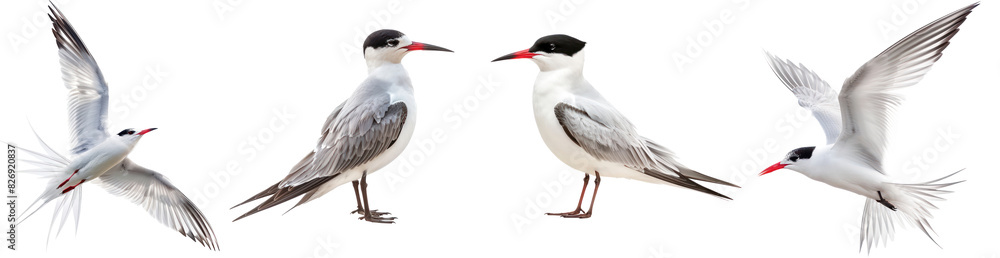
[[584, 131], [98, 156], [362, 135], [855, 125]]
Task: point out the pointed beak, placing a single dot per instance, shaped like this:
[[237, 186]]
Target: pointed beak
[[772, 168], [516, 55], [425, 46], [146, 131]]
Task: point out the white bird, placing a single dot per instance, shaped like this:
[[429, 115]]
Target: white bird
[[856, 121], [98, 156], [362, 135], [584, 131]]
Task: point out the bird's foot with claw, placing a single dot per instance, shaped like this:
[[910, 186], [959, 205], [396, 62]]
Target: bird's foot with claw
[[376, 217], [374, 212], [885, 202], [576, 212], [579, 216]]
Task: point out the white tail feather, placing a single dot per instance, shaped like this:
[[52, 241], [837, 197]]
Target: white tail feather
[[47, 196], [913, 206], [53, 166], [70, 203], [53, 154]]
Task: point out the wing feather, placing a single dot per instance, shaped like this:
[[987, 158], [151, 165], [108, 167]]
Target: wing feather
[[866, 99], [161, 199], [354, 137], [607, 135], [88, 92], [813, 94]]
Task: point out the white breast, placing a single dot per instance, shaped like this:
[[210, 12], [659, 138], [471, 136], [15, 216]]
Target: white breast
[[841, 170], [98, 160]]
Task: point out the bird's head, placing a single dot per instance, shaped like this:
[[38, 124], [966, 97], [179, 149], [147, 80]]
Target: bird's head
[[552, 52], [796, 160], [389, 46], [131, 136]]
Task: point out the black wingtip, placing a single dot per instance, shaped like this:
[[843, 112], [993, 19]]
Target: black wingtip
[[279, 196]]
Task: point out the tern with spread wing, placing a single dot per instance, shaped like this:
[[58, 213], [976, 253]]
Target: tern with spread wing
[[584, 131], [102, 158], [855, 122], [362, 135]]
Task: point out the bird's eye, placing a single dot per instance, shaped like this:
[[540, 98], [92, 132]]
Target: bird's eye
[[793, 158], [552, 46], [131, 131], [392, 42]]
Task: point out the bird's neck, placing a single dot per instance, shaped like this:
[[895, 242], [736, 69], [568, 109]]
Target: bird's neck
[[560, 74], [392, 74], [555, 83], [129, 144], [377, 63], [386, 69]]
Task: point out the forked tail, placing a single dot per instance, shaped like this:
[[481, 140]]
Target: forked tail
[[913, 205], [51, 165]]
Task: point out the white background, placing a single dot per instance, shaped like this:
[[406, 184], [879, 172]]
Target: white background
[[212, 74]]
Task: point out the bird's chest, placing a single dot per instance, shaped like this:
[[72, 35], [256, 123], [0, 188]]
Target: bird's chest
[[552, 132], [100, 160], [848, 175]]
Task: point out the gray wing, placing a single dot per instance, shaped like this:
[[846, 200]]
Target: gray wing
[[813, 93], [299, 168], [604, 133], [866, 98], [666, 157], [161, 199], [607, 135], [361, 131], [88, 92]]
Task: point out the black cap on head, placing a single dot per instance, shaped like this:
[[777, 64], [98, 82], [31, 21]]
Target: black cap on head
[[558, 43], [380, 38], [801, 153], [126, 132]]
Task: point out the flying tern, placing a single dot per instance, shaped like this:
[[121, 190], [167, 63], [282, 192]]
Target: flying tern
[[587, 133], [100, 157], [855, 122], [362, 135]]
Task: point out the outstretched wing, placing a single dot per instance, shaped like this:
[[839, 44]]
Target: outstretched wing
[[866, 98], [88, 92], [161, 199], [813, 93]]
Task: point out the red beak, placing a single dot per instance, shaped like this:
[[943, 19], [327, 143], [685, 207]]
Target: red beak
[[516, 55], [146, 131], [772, 168], [424, 46]]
